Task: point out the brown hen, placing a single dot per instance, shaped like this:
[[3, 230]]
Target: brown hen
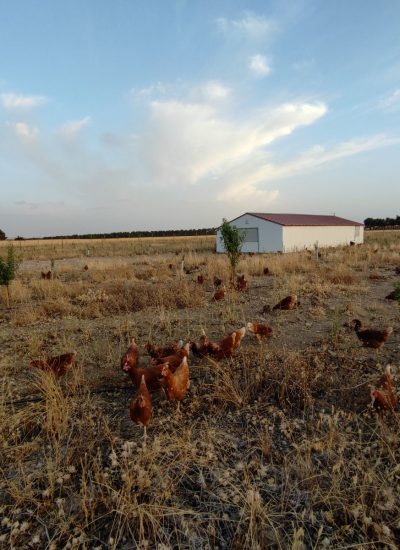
[[259, 330], [371, 338], [287, 303], [58, 365], [384, 396], [141, 407]]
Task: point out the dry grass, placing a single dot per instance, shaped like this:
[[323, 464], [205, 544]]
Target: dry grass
[[275, 448]]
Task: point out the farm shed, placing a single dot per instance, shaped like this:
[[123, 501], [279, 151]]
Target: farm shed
[[290, 232]]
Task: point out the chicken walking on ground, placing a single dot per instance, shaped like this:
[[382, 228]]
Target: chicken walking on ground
[[176, 384], [241, 283], [259, 330], [219, 294], [175, 359], [222, 349], [200, 279], [371, 338], [130, 365], [384, 395], [287, 303], [162, 351], [131, 356], [141, 407], [58, 365]]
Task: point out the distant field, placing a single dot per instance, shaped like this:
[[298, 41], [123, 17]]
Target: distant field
[[277, 447]]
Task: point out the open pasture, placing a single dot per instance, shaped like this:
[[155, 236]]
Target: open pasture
[[277, 447]]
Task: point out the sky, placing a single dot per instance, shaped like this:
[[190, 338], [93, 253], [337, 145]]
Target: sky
[[132, 115]]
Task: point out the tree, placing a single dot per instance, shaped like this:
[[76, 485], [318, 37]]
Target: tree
[[8, 269], [233, 242], [2, 235]]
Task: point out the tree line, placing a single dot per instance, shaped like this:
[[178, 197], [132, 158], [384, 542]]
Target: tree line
[[139, 234], [382, 223]]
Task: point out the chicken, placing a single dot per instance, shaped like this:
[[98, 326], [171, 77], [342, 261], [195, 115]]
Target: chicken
[[151, 375], [287, 303], [200, 279], [384, 395], [58, 365], [202, 347], [225, 347], [397, 270], [241, 283], [162, 351], [217, 281], [86, 267], [131, 356], [175, 359], [259, 330], [371, 338], [394, 295], [176, 384], [141, 408], [46, 275], [266, 271], [219, 294]]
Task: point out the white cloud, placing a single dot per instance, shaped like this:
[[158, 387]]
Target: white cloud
[[23, 130], [72, 127], [391, 102], [192, 145], [159, 88], [251, 25], [266, 171], [14, 101], [214, 90], [259, 65]]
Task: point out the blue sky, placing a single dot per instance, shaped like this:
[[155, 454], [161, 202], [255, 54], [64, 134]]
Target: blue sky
[[126, 115]]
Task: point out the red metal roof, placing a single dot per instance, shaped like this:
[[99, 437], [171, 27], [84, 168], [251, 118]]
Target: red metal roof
[[304, 219]]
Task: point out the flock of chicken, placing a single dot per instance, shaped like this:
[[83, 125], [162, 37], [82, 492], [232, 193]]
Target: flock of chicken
[[169, 369]]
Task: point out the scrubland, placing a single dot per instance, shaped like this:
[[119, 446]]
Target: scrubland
[[278, 447]]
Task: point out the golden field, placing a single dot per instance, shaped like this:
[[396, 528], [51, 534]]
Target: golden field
[[278, 447]]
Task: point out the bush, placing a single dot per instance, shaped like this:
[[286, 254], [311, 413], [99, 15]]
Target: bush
[[233, 242], [8, 269], [2, 235]]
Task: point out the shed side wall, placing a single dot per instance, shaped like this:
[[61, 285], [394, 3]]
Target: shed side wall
[[300, 237]]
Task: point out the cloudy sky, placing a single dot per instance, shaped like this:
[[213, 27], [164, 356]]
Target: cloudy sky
[[126, 115]]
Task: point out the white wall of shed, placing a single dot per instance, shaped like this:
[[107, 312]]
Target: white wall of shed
[[300, 237], [269, 235]]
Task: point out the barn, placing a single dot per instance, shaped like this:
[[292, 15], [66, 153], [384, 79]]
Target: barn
[[290, 232]]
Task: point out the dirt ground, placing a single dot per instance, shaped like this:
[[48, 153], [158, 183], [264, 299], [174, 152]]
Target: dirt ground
[[251, 458]]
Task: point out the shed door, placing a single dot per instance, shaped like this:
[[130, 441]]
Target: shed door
[[250, 243]]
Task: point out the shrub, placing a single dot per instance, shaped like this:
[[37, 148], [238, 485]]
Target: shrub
[[8, 269], [233, 242]]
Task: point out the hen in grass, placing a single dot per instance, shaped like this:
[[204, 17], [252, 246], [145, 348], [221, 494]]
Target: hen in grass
[[175, 359], [58, 365], [259, 330], [219, 294], [384, 395], [130, 357], [141, 407], [130, 365], [287, 303], [241, 283], [371, 338], [162, 351], [222, 349], [176, 383]]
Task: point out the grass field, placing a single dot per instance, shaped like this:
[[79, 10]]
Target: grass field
[[277, 447]]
